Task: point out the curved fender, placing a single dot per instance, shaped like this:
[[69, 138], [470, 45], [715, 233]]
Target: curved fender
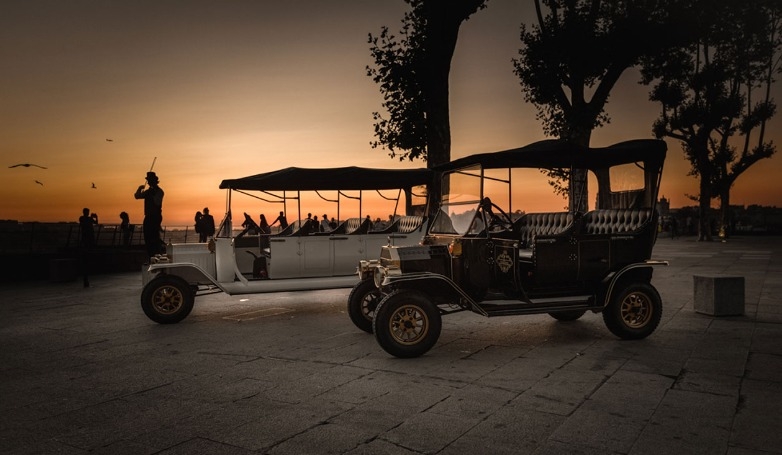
[[613, 279], [191, 273], [422, 277]]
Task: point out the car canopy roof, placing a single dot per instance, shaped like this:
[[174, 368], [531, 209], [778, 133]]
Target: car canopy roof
[[338, 178], [553, 153]]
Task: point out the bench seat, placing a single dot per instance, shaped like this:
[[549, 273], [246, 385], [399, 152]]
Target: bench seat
[[533, 225]]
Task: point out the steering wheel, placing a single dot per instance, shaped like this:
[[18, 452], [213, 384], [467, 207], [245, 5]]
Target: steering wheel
[[496, 223], [503, 221]]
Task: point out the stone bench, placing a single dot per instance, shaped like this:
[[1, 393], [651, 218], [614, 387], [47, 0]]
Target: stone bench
[[719, 295]]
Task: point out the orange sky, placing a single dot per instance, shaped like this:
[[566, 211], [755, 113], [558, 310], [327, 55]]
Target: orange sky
[[220, 90]]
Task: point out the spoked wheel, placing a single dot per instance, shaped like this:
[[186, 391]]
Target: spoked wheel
[[567, 316], [362, 302], [406, 324], [634, 312], [167, 299]]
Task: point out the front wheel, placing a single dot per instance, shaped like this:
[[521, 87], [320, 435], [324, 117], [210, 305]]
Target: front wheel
[[406, 324], [167, 299], [634, 311], [362, 302]]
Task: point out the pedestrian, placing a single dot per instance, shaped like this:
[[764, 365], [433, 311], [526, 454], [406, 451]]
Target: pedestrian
[[87, 221], [153, 214], [197, 220], [207, 228], [126, 228], [324, 224]]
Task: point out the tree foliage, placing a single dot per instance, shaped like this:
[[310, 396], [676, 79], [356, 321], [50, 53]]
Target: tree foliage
[[706, 94], [576, 53], [412, 70]]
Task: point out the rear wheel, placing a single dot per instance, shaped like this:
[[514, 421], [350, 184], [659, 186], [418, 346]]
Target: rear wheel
[[362, 303], [567, 316], [634, 311], [406, 324], [167, 299]]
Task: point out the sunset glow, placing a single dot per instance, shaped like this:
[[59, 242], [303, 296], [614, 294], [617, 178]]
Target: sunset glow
[[95, 91]]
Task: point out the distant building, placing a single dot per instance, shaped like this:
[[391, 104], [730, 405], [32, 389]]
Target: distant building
[[664, 206]]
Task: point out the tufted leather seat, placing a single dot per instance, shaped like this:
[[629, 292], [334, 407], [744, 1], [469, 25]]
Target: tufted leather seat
[[534, 224], [615, 221]]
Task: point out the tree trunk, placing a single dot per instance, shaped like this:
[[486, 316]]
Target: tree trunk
[[725, 224], [578, 192], [704, 205]]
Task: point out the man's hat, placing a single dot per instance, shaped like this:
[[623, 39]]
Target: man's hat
[[152, 177]]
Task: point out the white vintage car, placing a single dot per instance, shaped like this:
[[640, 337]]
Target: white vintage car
[[296, 258]]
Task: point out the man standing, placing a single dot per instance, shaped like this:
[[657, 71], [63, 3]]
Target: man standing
[[153, 214], [86, 241], [207, 228]]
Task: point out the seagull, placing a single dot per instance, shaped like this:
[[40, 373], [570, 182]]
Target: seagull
[[39, 182], [94, 187], [26, 165]]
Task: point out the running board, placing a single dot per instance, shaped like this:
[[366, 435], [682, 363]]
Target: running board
[[537, 306]]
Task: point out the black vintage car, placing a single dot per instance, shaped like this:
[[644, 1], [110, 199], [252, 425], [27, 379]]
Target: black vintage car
[[484, 253]]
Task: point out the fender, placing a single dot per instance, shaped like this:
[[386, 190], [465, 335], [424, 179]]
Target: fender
[[192, 273], [418, 280], [611, 280]]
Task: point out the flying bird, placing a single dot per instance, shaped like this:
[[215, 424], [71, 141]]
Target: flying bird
[[26, 165], [39, 182], [94, 187], [109, 140]]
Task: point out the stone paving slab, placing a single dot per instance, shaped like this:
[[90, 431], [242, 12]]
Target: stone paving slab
[[84, 371]]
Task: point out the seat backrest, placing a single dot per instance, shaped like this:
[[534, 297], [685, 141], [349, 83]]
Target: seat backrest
[[613, 221], [351, 224], [532, 225], [410, 223]]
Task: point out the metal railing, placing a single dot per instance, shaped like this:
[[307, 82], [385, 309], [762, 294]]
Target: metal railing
[[36, 237]]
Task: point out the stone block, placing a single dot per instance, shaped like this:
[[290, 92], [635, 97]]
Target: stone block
[[719, 295]]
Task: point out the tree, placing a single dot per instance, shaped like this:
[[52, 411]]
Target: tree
[[705, 94], [574, 56], [413, 73], [755, 50]]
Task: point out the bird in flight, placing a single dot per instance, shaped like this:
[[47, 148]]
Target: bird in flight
[[94, 187], [26, 165], [39, 182], [109, 140]]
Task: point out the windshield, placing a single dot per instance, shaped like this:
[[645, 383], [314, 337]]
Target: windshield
[[463, 191]]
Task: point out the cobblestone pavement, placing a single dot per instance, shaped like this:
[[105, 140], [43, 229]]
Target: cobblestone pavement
[[84, 371]]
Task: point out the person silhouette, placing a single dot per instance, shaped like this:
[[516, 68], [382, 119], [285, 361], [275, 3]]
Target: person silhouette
[[87, 222], [282, 220], [153, 214], [126, 228], [207, 226]]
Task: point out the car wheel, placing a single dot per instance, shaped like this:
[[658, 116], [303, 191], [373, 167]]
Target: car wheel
[[634, 311], [406, 324], [167, 299], [362, 303], [567, 316]]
